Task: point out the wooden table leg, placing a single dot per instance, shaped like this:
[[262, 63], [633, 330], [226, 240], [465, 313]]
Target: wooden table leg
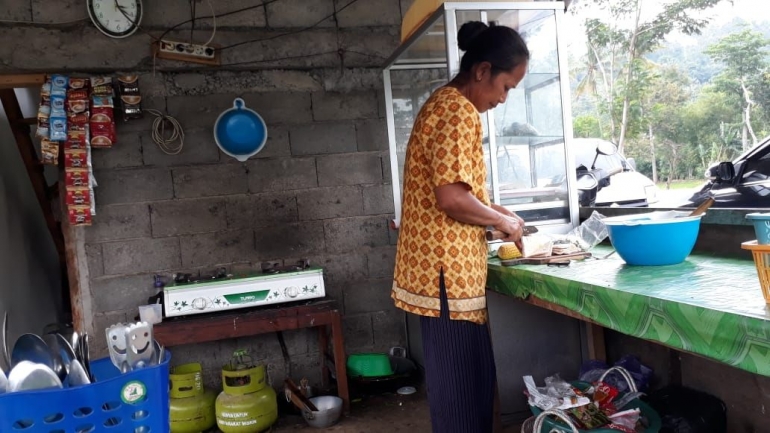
[[323, 346], [340, 360]]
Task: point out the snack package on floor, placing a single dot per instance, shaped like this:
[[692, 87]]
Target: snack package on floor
[[604, 394], [557, 394], [589, 416]]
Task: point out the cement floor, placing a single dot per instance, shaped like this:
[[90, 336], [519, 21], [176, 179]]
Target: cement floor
[[380, 414]]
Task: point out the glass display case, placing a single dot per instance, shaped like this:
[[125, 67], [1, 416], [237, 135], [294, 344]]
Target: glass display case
[[526, 140]]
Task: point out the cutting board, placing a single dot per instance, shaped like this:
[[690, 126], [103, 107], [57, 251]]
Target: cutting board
[[545, 260]]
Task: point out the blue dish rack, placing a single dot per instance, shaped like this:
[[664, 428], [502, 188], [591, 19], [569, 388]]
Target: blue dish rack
[[136, 402]]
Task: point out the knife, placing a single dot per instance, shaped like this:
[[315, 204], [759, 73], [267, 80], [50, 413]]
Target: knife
[[493, 235]]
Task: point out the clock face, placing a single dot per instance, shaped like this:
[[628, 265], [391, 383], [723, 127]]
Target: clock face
[[116, 18]]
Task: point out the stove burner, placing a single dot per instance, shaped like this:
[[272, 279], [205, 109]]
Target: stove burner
[[272, 268], [219, 274]]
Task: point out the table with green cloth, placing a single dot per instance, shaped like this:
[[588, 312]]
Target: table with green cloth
[[709, 306]]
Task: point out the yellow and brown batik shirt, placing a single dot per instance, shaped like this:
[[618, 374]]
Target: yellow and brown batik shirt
[[445, 148]]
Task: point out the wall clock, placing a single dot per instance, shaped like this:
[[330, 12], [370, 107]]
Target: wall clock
[[116, 18]]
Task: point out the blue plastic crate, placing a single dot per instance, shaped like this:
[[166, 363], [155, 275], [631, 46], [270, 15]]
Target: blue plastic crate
[[134, 402]]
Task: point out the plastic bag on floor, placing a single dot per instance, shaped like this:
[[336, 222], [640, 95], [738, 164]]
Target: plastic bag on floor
[[592, 370]]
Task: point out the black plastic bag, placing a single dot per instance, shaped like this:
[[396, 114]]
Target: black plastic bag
[[685, 410]]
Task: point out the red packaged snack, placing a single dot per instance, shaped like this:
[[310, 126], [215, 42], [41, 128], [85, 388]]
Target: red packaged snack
[[77, 105], [78, 196], [79, 83], [75, 158], [78, 94], [76, 139], [604, 394], [76, 177], [77, 119], [79, 215], [102, 115], [103, 135]]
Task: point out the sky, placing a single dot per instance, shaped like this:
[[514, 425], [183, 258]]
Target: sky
[[749, 10]]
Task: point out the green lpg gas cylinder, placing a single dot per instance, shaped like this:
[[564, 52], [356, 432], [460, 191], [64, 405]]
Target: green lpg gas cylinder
[[246, 404], [191, 407]]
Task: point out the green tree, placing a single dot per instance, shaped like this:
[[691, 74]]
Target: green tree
[[619, 45], [745, 77]]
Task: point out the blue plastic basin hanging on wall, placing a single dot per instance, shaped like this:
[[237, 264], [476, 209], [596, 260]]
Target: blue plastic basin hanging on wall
[[240, 132]]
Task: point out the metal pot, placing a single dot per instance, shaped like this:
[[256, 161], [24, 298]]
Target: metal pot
[[329, 411]]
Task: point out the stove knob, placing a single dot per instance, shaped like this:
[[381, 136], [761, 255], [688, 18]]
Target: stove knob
[[199, 303], [292, 291]]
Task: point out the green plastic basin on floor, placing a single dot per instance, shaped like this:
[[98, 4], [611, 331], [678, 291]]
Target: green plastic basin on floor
[[369, 365]]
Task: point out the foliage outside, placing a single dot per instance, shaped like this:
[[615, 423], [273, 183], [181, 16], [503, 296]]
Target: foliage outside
[[676, 109]]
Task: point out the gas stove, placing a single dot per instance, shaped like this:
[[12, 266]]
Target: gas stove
[[221, 291]]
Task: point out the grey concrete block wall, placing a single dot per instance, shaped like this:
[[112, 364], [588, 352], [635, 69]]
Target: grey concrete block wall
[[320, 189]]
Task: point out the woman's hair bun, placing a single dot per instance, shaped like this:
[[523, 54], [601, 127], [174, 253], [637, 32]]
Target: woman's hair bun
[[468, 32]]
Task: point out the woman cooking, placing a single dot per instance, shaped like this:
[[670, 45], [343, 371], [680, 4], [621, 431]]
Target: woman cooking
[[441, 258]]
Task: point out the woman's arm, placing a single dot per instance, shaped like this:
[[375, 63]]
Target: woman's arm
[[506, 212], [457, 201]]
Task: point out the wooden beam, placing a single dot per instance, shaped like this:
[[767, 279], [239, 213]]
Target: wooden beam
[[21, 80], [28, 121], [596, 347], [21, 133]]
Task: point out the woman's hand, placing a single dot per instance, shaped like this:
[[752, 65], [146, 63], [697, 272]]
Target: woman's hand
[[512, 227], [507, 212]]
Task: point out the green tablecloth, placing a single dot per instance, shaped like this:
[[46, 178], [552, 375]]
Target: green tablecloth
[[709, 306]]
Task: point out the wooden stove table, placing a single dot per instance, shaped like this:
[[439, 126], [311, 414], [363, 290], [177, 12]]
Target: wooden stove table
[[233, 324]]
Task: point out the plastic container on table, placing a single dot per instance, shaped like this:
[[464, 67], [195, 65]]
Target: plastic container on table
[[761, 223], [655, 238], [136, 401], [761, 254]]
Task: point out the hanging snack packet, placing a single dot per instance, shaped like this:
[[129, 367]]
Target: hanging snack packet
[[50, 152], [79, 215]]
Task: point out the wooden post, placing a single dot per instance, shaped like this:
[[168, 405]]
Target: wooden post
[[596, 347]]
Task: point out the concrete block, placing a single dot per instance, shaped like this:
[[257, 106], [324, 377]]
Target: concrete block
[[393, 237], [54, 12], [389, 329], [342, 269], [16, 11], [212, 355], [349, 169], [114, 222], [322, 138], [378, 199], [292, 51], [267, 345], [261, 210], [281, 107], [121, 293], [341, 106], [358, 331], [181, 217], [325, 203], [368, 296], [381, 262], [210, 180], [282, 174], [300, 13], [351, 79], [351, 234], [381, 104], [243, 82], [368, 13], [277, 144], [372, 135], [126, 153], [94, 260], [196, 112], [387, 173], [199, 148], [29, 49], [290, 240], [144, 124], [162, 15], [209, 249], [100, 322], [133, 185], [368, 47], [141, 255]]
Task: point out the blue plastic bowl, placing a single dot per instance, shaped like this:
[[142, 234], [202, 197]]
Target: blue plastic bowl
[[761, 226], [240, 132], [646, 240]]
